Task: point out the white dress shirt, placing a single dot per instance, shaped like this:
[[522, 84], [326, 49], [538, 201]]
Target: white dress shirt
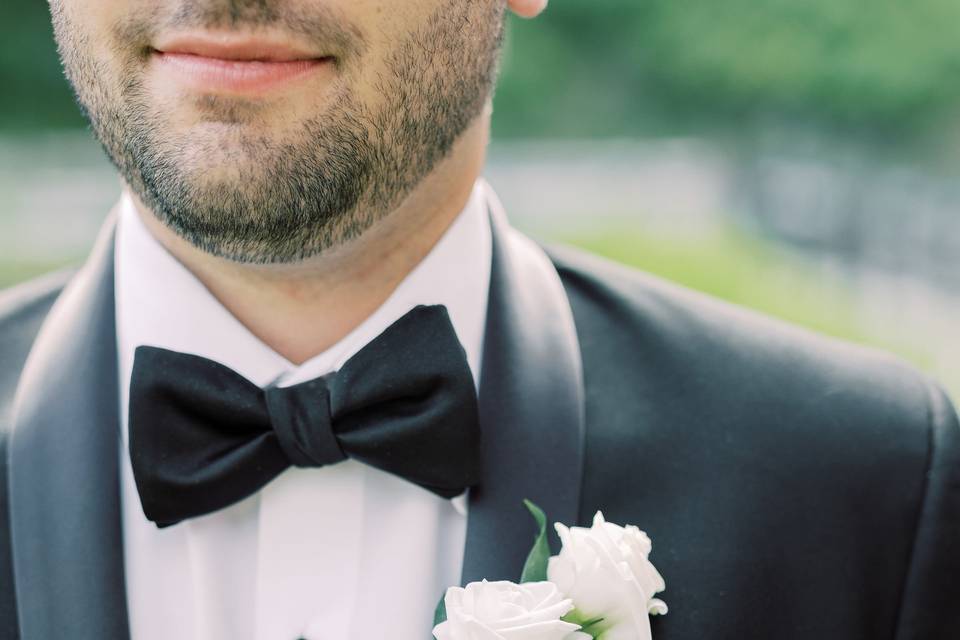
[[344, 552]]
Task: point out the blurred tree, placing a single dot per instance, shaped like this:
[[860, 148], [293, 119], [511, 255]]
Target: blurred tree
[[33, 93], [882, 62], [634, 67]]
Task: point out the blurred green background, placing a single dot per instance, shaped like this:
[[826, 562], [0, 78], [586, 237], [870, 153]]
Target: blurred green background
[[648, 67], [798, 157]]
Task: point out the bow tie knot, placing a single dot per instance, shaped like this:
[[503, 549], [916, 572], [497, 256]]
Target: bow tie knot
[[300, 418]]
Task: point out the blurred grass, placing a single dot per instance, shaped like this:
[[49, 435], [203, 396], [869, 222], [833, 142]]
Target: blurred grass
[[727, 263]]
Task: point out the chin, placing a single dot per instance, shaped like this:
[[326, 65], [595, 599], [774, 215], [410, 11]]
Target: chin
[[213, 148]]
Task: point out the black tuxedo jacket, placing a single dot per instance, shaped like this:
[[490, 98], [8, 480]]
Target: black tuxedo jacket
[[795, 488]]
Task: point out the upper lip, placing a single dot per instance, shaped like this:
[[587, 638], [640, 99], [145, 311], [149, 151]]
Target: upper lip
[[235, 46]]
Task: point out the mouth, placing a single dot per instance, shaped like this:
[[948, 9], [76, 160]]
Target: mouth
[[232, 64]]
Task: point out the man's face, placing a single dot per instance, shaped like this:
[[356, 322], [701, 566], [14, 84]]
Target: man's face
[[270, 130]]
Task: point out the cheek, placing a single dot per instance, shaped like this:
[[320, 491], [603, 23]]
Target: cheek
[[93, 23], [87, 33], [387, 26]]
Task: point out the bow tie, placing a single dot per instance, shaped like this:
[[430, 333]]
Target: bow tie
[[202, 437]]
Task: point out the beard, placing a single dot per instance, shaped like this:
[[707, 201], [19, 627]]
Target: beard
[[236, 189]]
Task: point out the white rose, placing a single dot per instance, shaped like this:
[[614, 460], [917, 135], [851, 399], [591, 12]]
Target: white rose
[[605, 571], [506, 611]]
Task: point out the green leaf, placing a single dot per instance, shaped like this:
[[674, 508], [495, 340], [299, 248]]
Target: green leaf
[[593, 627], [440, 615], [535, 568]]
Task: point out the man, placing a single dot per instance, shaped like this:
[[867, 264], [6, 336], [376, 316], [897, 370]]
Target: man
[[309, 373]]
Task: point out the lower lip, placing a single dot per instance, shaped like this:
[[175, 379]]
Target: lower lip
[[215, 75]]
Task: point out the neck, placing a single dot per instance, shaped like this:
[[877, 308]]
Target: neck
[[300, 310]]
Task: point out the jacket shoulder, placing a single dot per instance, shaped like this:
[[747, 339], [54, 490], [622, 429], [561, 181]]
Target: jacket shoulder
[[721, 380], [32, 295], [22, 311], [746, 354]]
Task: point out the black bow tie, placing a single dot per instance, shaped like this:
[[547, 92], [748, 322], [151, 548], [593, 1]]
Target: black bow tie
[[202, 437]]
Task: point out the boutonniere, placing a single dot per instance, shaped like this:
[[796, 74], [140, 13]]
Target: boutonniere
[[601, 585]]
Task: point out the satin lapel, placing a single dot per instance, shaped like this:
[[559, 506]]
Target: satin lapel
[[531, 408], [64, 488]]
